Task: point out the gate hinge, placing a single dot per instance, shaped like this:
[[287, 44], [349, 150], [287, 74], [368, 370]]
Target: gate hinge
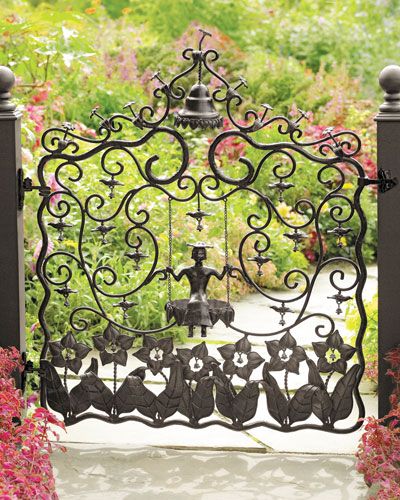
[[385, 181], [26, 185], [28, 368]]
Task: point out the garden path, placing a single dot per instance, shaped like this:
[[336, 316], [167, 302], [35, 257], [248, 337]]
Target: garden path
[[131, 460], [90, 472]]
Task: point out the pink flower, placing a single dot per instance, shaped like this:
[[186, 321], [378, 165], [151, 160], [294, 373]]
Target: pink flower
[[34, 326], [378, 453], [54, 186], [36, 253], [36, 114], [82, 129], [41, 96], [31, 399], [25, 446]]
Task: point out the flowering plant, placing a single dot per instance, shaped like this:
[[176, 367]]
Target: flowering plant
[[378, 455], [25, 467]]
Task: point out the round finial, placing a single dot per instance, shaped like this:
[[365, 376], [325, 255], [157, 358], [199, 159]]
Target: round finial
[[7, 80], [389, 80]]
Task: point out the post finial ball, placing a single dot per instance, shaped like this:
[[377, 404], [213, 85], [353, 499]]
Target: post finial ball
[[389, 79], [7, 79]]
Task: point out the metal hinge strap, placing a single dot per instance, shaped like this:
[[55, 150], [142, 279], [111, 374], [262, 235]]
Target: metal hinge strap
[[385, 181], [26, 185], [28, 368]]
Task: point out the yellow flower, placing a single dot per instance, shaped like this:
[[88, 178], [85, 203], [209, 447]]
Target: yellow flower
[[71, 243], [90, 10], [283, 209], [348, 185]]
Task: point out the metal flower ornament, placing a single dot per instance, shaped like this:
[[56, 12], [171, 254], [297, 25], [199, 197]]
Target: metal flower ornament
[[333, 354], [68, 353], [213, 381], [157, 354], [285, 354], [113, 346], [239, 359], [197, 362]]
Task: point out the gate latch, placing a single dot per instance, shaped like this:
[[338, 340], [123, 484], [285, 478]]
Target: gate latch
[[385, 181], [26, 185]]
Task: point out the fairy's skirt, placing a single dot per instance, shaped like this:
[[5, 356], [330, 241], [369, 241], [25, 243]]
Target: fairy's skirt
[[198, 313]]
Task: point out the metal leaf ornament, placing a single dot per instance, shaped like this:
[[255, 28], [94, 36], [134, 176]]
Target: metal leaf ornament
[[118, 344], [333, 354], [69, 353], [280, 359]]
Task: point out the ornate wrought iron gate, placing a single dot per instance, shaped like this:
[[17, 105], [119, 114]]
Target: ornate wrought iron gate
[[239, 387]]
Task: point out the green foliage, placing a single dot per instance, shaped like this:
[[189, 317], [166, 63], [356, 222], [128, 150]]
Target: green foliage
[[370, 343], [320, 56]]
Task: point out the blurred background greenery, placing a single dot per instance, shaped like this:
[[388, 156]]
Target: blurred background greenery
[[320, 56]]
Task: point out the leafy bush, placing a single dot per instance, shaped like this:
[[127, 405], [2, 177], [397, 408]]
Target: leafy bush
[[69, 56], [25, 447], [378, 455]]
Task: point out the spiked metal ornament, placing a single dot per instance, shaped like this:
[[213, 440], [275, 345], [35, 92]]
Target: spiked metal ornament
[[199, 111]]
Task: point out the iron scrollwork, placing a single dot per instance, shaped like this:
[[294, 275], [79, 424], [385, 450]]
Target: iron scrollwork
[[200, 389]]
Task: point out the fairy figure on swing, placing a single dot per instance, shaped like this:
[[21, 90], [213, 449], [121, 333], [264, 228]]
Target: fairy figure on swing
[[198, 310]]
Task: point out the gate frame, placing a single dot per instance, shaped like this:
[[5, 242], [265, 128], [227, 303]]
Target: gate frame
[[13, 186], [12, 274], [388, 151]]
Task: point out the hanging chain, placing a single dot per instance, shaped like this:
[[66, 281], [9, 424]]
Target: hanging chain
[[228, 278], [169, 248]]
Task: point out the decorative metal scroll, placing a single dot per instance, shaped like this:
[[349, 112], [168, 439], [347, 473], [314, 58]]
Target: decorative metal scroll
[[238, 386]]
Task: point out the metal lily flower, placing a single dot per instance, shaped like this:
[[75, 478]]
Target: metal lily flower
[[157, 354], [285, 354], [197, 363], [118, 343], [68, 353], [333, 354], [235, 356]]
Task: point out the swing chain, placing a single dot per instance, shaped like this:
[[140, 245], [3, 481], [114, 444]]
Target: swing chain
[[169, 247], [228, 278]]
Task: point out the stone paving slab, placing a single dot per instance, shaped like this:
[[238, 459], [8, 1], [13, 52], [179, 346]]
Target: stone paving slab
[[138, 434], [90, 472]]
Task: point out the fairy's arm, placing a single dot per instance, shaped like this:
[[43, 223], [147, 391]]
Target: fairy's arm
[[178, 276], [221, 275]]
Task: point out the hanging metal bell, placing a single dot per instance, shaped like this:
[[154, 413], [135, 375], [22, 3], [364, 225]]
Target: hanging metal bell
[[199, 111]]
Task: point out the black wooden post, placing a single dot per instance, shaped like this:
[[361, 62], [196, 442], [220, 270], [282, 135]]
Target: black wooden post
[[12, 298], [388, 122]]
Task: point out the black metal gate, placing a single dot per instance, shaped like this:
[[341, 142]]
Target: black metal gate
[[240, 386]]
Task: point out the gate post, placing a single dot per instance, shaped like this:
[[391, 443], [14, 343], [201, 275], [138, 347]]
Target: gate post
[[12, 296], [388, 151]]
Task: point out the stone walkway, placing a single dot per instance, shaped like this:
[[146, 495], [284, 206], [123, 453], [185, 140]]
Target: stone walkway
[[131, 460], [96, 472]]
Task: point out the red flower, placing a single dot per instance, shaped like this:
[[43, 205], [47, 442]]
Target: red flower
[[393, 357], [41, 96], [25, 446]]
